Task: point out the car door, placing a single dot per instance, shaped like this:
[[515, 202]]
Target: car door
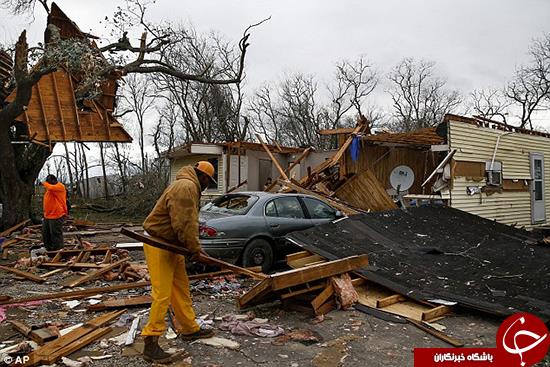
[[285, 214], [318, 211]]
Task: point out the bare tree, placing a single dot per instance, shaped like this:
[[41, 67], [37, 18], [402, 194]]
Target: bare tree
[[490, 103], [21, 164], [530, 88], [138, 96], [419, 97], [292, 112]]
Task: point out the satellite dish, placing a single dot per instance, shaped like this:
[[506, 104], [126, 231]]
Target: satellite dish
[[402, 178]]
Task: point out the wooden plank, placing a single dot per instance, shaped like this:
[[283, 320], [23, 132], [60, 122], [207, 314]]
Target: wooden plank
[[77, 115], [323, 297], [21, 327], [380, 303], [302, 291], [275, 161], [300, 263], [65, 344], [289, 168], [435, 312], [44, 115], [42, 336], [70, 265], [438, 334], [97, 273], [342, 130], [78, 344], [53, 272], [16, 227], [24, 274], [326, 308], [75, 294], [60, 110], [320, 271], [255, 294], [121, 303], [297, 255], [159, 243]]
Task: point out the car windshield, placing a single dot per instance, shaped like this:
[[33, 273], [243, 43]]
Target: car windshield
[[231, 204]]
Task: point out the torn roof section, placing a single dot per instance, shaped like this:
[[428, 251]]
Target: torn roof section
[[55, 115]]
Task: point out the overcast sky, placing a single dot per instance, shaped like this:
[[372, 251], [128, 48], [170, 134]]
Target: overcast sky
[[475, 43]]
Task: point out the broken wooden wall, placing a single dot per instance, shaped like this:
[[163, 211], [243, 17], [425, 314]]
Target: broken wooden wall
[[54, 115], [381, 160], [364, 191]]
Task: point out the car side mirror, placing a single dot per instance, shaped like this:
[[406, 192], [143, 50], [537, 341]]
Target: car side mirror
[[339, 214]]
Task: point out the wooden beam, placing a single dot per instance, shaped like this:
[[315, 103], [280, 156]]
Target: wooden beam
[[159, 243], [342, 130], [121, 303], [438, 334], [16, 227], [75, 294], [228, 169], [297, 255], [396, 298], [435, 312], [300, 263], [255, 294], [24, 274], [59, 109], [295, 277], [326, 308], [294, 164], [275, 161], [236, 187], [43, 109], [97, 273], [322, 297], [302, 291], [77, 115]]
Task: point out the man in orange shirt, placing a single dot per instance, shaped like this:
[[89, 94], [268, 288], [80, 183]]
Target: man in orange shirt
[[55, 210]]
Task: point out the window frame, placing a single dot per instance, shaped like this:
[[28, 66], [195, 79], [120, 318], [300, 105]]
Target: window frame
[[306, 209], [305, 213]]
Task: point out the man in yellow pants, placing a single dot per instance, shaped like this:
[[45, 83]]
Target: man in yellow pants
[[175, 218]]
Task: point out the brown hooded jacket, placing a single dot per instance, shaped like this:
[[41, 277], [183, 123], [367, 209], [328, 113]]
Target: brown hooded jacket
[[175, 217]]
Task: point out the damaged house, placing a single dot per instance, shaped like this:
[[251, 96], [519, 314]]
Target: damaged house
[[476, 165]]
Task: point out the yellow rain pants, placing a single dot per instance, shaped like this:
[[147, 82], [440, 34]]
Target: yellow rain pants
[[170, 285]]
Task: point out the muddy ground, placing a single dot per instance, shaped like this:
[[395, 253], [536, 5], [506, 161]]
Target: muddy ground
[[346, 338]]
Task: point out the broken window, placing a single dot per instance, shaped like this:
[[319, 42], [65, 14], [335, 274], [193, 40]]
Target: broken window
[[493, 173]]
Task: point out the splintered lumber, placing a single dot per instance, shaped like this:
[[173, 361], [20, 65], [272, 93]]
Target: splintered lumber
[[16, 227], [24, 274], [289, 168], [297, 255], [159, 243], [73, 341], [438, 334], [121, 303], [364, 191], [75, 294], [282, 172], [294, 277], [97, 273], [325, 308], [304, 261], [282, 281]]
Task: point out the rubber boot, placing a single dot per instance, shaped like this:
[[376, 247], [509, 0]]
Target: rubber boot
[[152, 352]]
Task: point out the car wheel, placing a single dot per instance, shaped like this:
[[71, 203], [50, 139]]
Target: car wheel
[[258, 253]]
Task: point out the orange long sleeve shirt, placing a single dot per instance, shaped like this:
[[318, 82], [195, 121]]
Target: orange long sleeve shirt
[[55, 201]]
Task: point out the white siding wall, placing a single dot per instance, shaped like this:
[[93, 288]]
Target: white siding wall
[[177, 163], [476, 144]]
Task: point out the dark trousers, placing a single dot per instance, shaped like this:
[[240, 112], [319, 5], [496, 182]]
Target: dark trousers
[[52, 233]]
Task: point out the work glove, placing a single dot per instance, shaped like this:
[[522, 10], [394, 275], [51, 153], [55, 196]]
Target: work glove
[[195, 256]]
